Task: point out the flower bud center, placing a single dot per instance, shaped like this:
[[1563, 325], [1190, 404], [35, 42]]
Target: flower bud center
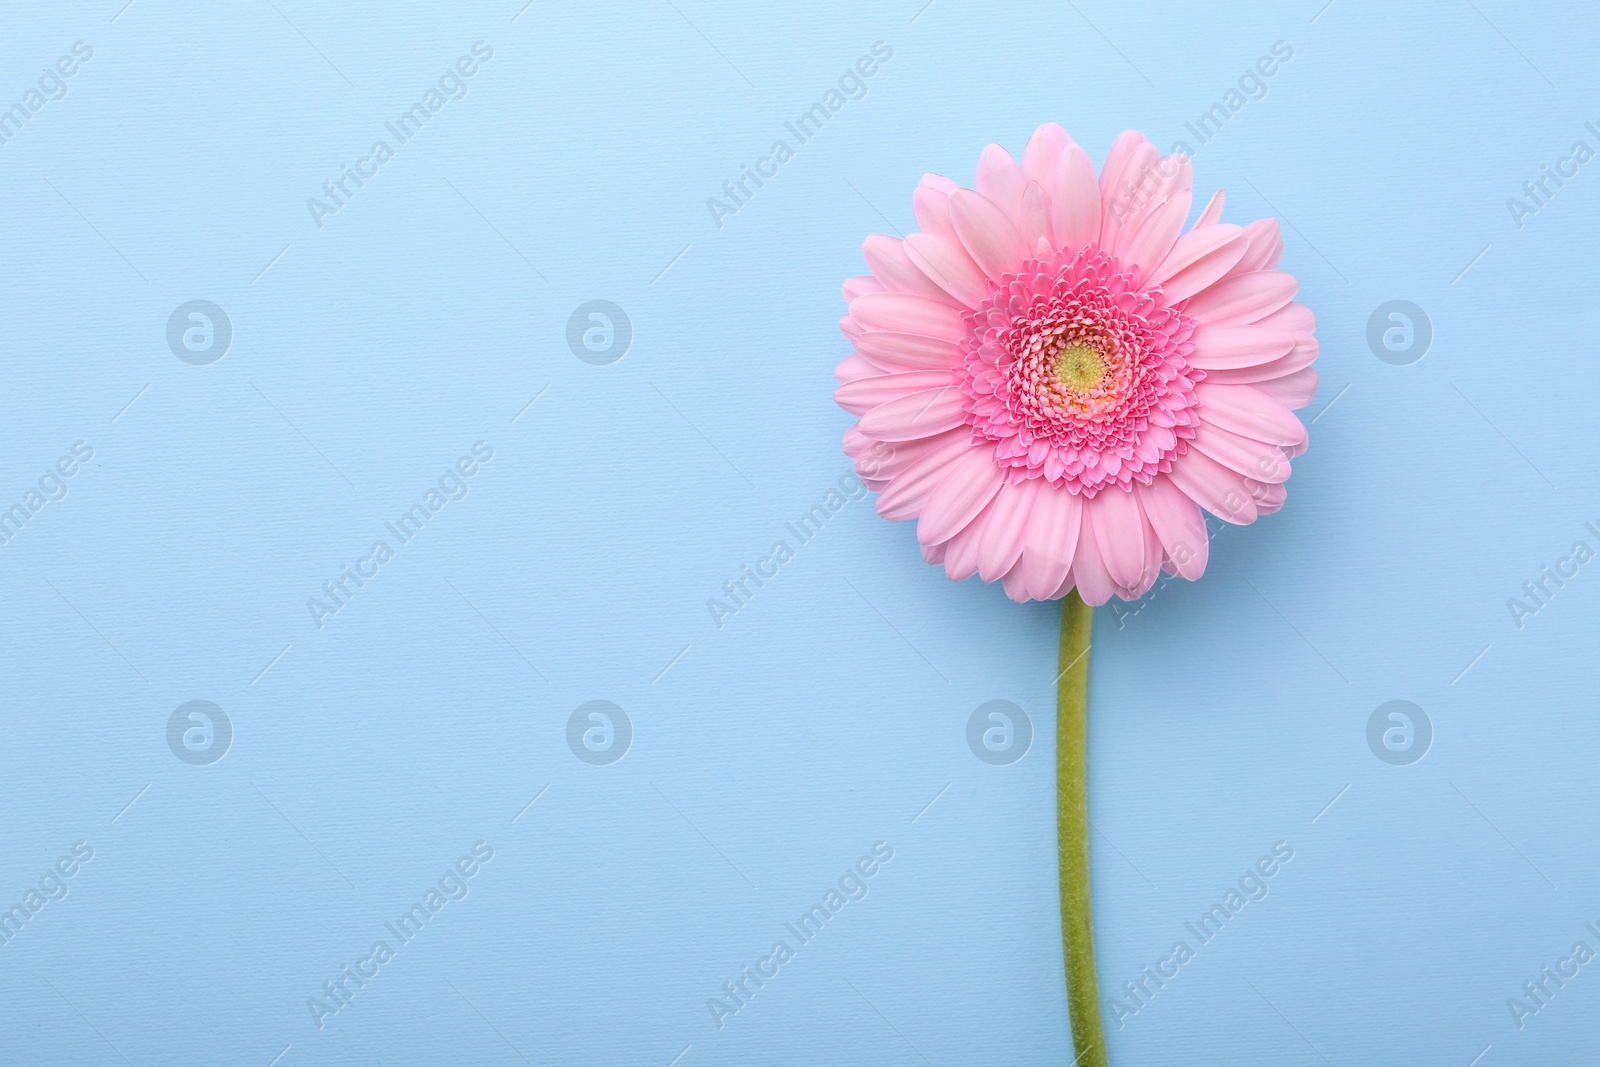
[[1079, 366]]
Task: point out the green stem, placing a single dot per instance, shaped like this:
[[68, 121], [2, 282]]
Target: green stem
[[1072, 831]]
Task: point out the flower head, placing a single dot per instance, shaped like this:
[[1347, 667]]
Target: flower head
[[1054, 379]]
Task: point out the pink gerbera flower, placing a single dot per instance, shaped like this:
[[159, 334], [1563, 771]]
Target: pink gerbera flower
[[1054, 379]]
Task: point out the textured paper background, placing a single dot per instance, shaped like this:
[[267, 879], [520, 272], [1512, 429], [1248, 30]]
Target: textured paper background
[[830, 712]]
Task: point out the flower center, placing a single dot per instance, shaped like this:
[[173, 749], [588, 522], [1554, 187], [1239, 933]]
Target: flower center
[[1078, 374], [1079, 367]]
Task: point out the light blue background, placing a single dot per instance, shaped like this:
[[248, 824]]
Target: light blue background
[[768, 755]]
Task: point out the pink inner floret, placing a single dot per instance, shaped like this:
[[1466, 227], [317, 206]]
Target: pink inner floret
[[1079, 375]]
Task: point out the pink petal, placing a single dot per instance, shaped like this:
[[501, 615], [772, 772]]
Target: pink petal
[[907, 313], [1125, 180], [888, 459], [1034, 219], [909, 487], [1253, 459], [1300, 357], [930, 205], [853, 367], [988, 235], [1211, 214], [1119, 532], [1179, 525], [1198, 259], [1291, 390], [860, 285], [944, 261], [855, 442], [1016, 588], [920, 414], [1005, 527], [1294, 317], [1089, 569], [1249, 412], [1000, 181], [971, 481], [863, 394], [1214, 487], [864, 457], [1047, 552], [1156, 233], [1242, 298], [1067, 585], [1152, 552], [886, 258], [1270, 498], [1043, 151], [1074, 200], [907, 351], [1226, 347], [963, 552], [1266, 246], [1157, 221]]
